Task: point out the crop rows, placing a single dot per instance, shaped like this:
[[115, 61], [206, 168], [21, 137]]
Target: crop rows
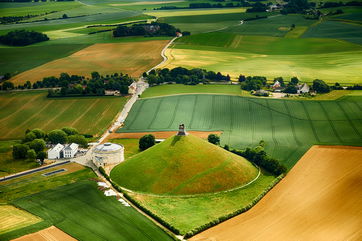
[[284, 124]]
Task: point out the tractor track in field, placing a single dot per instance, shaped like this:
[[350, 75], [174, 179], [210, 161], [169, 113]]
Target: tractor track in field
[[291, 124], [349, 119], [193, 111], [174, 113], [311, 122], [156, 113], [331, 123]]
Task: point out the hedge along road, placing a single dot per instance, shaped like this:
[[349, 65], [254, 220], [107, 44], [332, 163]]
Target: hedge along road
[[289, 127]]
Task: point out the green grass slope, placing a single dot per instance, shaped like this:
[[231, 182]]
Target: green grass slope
[[184, 165], [289, 127], [85, 213]]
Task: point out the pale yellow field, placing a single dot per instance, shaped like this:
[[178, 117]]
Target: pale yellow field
[[173, 13], [144, 3], [12, 218], [330, 67], [319, 199], [132, 58], [49, 234]]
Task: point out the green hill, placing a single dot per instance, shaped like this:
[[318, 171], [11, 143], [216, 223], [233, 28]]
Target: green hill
[[184, 165]]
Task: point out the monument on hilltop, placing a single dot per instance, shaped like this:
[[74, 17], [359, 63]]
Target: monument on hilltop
[[181, 130]]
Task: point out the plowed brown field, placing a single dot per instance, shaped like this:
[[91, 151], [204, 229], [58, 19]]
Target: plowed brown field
[[320, 199], [132, 58], [49, 234]]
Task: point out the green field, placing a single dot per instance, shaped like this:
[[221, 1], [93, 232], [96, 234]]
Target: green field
[[187, 213], [86, 213], [32, 109], [36, 182], [289, 127], [173, 89], [328, 59], [184, 165], [337, 30]]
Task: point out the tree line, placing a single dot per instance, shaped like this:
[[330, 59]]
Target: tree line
[[75, 85], [34, 142], [150, 29], [182, 75], [255, 155], [22, 38]]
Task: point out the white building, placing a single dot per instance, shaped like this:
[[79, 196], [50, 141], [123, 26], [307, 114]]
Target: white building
[[304, 88], [70, 150], [56, 152], [132, 89], [107, 154]]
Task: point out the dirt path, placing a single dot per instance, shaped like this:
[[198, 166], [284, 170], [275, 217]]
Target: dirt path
[[320, 199]]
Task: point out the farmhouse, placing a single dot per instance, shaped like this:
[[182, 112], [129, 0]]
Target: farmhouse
[[59, 151], [132, 89], [304, 88], [107, 154], [276, 85], [56, 152]]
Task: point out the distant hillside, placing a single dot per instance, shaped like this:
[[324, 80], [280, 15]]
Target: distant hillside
[[184, 165]]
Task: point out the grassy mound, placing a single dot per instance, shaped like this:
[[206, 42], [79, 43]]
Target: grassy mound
[[184, 165]]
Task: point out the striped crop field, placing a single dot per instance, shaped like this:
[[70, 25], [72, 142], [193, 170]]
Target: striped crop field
[[20, 111], [289, 127]]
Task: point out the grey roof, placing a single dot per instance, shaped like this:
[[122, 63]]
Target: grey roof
[[108, 147]]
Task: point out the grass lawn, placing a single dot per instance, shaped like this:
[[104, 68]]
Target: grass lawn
[[192, 212], [130, 146], [131, 58], [173, 89], [289, 127], [85, 213], [32, 109]]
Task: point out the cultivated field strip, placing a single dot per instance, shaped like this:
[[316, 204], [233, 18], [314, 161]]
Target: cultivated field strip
[[292, 125], [32, 109]]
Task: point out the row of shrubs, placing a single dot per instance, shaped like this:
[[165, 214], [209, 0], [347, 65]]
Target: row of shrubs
[[233, 214]]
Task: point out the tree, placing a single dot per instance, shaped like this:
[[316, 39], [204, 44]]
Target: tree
[[41, 156], [22, 38], [241, 78], [7, 85], [57, 136], [30, 137], [79, 139], [320, 86], [64, 16], [70, 131], [20, 150], [146, 142], [39, 133], [31, 154], [290, 89], [294, 81], [95, 75], [214, 139], [37, 145]]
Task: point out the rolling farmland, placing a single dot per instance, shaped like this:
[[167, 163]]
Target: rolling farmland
[[289, 127], [27, 110], [320, 199], [132, 58], [308, 59], [83, 200]]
